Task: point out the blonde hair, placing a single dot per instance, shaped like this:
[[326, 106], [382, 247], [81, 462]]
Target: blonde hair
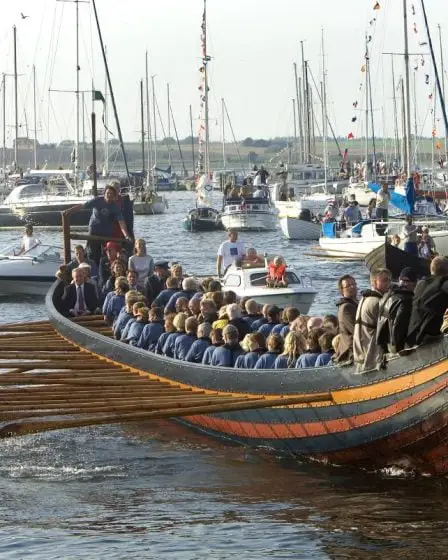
[[295, 345], [137, 305], [176, 268], [121, 283], [130, 298], [144, 312], [179, 321], [141, 242]]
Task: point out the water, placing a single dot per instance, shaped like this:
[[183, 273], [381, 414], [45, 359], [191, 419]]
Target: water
[[158, 490]]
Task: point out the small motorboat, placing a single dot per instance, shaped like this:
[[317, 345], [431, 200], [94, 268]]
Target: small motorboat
[[249, 214], [251, 282], [202, 218], [29, 273], [300, 227], [394, 259]]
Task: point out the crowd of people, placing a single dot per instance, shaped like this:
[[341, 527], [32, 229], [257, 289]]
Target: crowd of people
[[158, 308]]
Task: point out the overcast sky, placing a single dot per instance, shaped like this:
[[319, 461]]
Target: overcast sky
[[253, 44]]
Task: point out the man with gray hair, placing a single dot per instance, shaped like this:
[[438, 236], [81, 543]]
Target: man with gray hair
[[226, 355], [235, 319], [199, 346], [189, 289]]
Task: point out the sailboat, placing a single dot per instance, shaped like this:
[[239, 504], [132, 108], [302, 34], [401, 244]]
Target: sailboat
[[204, 217]]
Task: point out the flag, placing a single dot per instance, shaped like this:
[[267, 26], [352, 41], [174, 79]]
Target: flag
[[377, 6], [98, 96], [354, 119], [350, 136], [433, 132]]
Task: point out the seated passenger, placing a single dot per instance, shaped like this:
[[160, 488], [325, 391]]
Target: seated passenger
[[189, 288], [138, 305], [273, 316], [169, 328], [326, 346], [200, 345], [184, 342], [117, 269], [81, 257], [277, 273], [163, 298], [179, 324], [331, 323], [132, 278], [136, 329], [252, 258], [223, 319], [235, 319], [125, 314], [290, 314], [194, 305], [295, 346], [252, 312], [226, 355], [182, 305], [216, 341], [153, 330], [257, 347], [80, 297], [308, 359], [115, 301], [208, 312], [275, 348]]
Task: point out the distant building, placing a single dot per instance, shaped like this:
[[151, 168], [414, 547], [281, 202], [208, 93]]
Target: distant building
[[24, 143]]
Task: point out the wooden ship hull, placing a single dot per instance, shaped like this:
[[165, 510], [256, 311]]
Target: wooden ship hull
[[393, 417], [395, 259]]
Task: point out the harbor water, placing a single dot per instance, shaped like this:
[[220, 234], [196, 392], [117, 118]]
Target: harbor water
[[158, 490]]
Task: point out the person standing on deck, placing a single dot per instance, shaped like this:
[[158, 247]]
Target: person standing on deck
[[29, 241], [382, 203], [409, 236], [229, 252], [347, 306], [105, 214]]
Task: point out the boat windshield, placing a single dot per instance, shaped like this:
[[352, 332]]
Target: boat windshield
[[50, 252], [259, 278]]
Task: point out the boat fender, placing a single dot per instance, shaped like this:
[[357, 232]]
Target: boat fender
[[208, 187]]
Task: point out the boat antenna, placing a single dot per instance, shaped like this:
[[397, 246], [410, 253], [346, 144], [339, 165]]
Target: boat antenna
[[439, 87], [407, 162], [114, 105]]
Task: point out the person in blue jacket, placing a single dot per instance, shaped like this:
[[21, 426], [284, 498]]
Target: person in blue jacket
[[184, 342], [172, 287], [189, 288], [273, 317], [125, 332], [169, 328], [257, 347], [252, 312], [179, 324], [263, 319], [153, 330], [289, 315], [275, 348], [199, 346], [136, 329], [326, 346], [226, 355], [308, 359], [115, 301], [295, 346], [216, 341], [125, 314]]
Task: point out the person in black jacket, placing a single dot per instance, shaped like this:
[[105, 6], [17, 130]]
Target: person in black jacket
[[429, 304], [347, 307], [80, 297], [155, 283], [395, 313]]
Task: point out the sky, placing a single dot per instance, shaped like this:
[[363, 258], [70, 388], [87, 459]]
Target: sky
[[253, 45]]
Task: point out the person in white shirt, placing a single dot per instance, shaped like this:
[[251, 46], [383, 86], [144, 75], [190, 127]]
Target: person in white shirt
[[382, 203], [141, 262], [229, 252], [28, 240]]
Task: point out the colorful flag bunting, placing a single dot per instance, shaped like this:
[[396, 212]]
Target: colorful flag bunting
[[376, 6], [350, 136]]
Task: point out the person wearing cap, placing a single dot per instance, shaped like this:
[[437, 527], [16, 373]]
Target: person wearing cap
[[155, 283], [229, 252], [409, 236], [105, 214], [226, 355], [153, 330], [395, 313], [29, 241]]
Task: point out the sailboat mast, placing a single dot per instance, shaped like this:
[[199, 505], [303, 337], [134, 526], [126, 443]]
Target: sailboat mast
[[206, 114], [295, 129], [308, 106], [223, 130], [169, 119], [154, 120], [4, 123], [142, 127], [415, 121], [366, 147], [148, 125], [396, 135], [324, 109], [298, 112], [407, 163], [76, 158], [192, 141], [405, 132], [445, 141], [35, 118], [16, 106], [306, 148], [106, 128]]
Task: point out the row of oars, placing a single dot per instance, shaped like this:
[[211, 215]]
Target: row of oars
[[49, 384]]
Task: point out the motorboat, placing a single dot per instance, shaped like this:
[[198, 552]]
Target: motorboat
[[301, 228], [251, 282], [31, 272], [150, 203], [361, 191], [367, 235], [249, 214], [202, 218]]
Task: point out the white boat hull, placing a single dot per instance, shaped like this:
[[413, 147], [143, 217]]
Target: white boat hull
[[349, 246], [248, 221], [21, 275], [157, 207], [302, 300], [295, 228]]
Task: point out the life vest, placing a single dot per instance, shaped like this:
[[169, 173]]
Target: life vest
[[276, 272]]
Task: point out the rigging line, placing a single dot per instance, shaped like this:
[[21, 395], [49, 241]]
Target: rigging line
[[177, 140], [234, 139], [163, 128]]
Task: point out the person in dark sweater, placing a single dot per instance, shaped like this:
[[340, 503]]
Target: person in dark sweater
[[263, 319], [252, 312], [429, 304], [273, 316], [235, 319], [184, 342], [179, 324], [217, 340], [274, 343], [200, 345], [153, 330], [257, 347], [347, 306], [163, 298], [295, 346], [136, 328], [308, 359], [168, 328], [226, 355], [326, 347]]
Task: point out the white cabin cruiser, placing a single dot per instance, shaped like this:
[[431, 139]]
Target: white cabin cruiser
[[251, 282], [249, 214], [300, 228], [31, 272]]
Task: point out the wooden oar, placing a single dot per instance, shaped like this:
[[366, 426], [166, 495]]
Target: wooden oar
[[25, 428]]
